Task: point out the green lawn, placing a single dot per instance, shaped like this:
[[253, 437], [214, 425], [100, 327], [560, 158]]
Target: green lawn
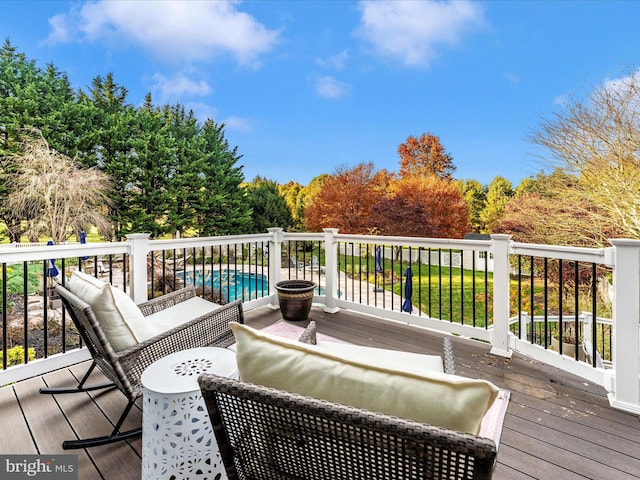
[[440, 292]]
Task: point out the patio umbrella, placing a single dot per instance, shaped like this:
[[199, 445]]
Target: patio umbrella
[[378, 268], [52, 271], [83, 240], [378, 259], [408, 290]]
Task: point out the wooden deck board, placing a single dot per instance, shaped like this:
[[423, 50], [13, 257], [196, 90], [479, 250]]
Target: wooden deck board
[[112, 403], [530, 466], [13, 421], [557, 425], [46, 421], [85, 413]]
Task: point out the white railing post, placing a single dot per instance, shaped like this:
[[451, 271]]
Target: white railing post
[[138, 251], [501, 271], [275, 253], [331, 268], [626, 324]]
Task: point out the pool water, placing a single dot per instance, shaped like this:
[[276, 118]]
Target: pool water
[[231, 284]]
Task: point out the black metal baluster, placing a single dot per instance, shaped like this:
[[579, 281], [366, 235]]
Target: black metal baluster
[[520, 299], [486, 291], [450, 285], [45, 299], [532, 301], [462, 287], [561, 293], [420, 279], [546, 301], [576, 313], [430, 288], [594, 317], [440, 284], [473, 290], [25, 309]]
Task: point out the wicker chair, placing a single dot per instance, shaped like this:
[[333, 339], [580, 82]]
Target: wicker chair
[[124, 368], [268, 434]]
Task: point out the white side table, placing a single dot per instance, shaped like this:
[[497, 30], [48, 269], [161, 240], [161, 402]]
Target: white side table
[[177, 437]]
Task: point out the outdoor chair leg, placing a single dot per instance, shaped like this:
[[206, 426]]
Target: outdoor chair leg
[[116, 435], [80, 387]]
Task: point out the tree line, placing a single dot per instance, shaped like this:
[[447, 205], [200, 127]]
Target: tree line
[[590, 193], [70, 160], [165, 172]]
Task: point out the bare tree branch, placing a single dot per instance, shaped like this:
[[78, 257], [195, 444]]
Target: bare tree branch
[[599, 142]]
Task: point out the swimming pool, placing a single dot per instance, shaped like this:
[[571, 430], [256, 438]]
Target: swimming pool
[[231, 284]]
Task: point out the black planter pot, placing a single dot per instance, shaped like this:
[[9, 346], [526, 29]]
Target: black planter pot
[[295, 298]]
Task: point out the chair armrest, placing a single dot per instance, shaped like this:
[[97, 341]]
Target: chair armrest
[[167, 300], [209, 330], [269, 433]]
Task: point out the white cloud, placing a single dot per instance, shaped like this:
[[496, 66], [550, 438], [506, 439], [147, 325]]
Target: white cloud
[[59, 32], [238, 123], [562, 100], [411, 31], [172, 89], [512, 77], [336, 61], [331, 88], [623, 85], [171, 30], [202, 111], [623, 92]]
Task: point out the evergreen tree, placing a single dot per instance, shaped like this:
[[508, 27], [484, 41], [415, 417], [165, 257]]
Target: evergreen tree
[[169, 173], [148, 194], [185, 180], [269, 208], [30, 98], [221, 205], [110, 146]]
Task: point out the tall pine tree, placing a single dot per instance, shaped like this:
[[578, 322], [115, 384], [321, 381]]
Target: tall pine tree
[[222, 207]]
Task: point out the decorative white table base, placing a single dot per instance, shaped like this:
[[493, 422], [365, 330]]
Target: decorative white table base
[[177, 438]]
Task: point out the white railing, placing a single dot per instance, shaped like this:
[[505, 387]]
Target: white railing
[[622, 380]]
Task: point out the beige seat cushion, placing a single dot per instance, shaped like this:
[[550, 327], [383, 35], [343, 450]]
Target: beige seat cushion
[[123, 321], [434, 398], [173, 316]]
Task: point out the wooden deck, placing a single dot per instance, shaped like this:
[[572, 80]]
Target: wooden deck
[[557, 425]]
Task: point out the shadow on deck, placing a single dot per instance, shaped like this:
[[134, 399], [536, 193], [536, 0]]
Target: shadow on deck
[[557, 425]]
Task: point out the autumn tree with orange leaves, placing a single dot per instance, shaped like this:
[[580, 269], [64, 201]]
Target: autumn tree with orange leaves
[[422, 206], [422, 202], [346, 199], [425, 156]]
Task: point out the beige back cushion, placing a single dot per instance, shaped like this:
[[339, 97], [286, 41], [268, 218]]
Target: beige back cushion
[[117, 313], [85, 286], [434, 398]]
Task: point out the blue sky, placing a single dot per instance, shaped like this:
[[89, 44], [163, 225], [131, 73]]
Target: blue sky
[[304, 87]]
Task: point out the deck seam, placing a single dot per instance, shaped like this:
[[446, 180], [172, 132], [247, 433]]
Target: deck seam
[[24, 417]]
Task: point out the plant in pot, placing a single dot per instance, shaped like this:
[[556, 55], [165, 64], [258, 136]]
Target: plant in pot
[[570, 341], [295, 298]]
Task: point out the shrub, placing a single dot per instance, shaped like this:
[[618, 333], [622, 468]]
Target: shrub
[[15, 355]]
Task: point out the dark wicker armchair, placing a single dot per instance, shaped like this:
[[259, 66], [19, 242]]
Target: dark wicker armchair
[[124, 368], [268, 434]]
